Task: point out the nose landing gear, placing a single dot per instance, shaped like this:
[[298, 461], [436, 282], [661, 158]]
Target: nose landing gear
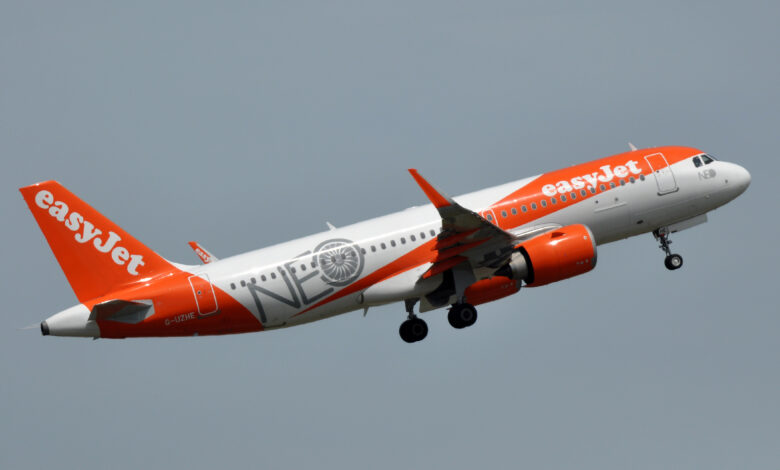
[[672, 261]]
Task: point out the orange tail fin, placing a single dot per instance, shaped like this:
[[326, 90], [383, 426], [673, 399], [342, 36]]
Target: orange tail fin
[[96, 255]]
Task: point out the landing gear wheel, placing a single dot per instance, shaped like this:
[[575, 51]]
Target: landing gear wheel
[[673, 262], [413, 330], [462, 315]]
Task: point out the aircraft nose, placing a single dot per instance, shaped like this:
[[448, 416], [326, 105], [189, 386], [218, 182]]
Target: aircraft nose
[[741, 178]]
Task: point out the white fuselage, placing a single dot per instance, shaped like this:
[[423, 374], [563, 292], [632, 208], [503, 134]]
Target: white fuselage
[[277, 283]]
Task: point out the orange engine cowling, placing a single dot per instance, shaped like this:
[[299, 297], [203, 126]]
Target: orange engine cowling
[[488, 290], [553, 256]]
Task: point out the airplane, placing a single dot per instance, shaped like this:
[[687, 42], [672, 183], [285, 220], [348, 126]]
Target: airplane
[[452, 253]]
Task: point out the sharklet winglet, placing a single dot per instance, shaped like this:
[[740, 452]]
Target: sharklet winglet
[[438, 199]]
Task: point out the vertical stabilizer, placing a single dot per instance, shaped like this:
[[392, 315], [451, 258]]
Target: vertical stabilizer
[[95, 254]]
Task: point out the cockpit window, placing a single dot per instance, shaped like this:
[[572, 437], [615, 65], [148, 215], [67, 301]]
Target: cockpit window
[[707, 159], [696, 162]]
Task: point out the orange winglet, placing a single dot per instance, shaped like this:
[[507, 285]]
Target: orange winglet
[[203, 254], [433, 194]]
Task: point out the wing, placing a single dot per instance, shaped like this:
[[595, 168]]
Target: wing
[[467, 237], [202, 253]]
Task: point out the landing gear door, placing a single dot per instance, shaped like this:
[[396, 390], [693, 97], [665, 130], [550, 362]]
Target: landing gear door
[[205, 299], [664, 177]]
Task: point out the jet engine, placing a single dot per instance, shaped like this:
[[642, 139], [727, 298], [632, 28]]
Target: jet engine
[[488, 290], [553, 256]]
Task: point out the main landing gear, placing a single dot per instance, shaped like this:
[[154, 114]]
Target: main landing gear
[[672, 261], [413, 329], [462, 315]]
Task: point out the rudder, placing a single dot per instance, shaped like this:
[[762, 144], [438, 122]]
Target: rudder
[[95, 254]]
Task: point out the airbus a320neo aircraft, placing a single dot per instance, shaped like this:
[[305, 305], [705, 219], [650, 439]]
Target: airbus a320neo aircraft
[[455, 252]]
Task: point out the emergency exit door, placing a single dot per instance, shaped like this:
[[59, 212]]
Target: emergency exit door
[[664, 177], [205, 299]]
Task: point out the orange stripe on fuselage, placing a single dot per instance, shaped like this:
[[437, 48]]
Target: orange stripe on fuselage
[[533, 192], [425, 253]]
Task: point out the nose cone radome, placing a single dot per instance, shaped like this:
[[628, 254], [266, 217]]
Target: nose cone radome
[[741, 179], [71, 322]]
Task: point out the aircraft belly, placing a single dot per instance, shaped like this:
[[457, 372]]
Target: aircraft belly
[[404, 286]]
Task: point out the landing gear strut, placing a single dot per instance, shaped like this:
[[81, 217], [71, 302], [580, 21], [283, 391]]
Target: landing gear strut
[[462, 315], [413, 329], [672, 261]]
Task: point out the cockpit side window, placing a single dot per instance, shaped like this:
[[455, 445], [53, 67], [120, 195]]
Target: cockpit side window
[[696, 162], [707, 159]]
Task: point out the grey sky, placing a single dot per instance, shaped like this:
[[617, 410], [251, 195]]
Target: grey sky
[[243, 124]]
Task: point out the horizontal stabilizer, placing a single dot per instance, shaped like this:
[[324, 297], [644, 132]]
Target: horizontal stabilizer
[[123, 311]]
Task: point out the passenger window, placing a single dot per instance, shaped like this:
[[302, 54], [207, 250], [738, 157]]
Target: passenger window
[[593, 190], [273, 275], [622, 182], [373, 249], [603, 188], [384, 247], [392, 243], [412, 238], [533, 205], [433, 234], [263, 278], [632, 179], [503, 214], [422, 235], [362, 250], [232, 286], [553, 200], [403, 241], [243, 283], [489, 217], [254, 281], [583, 193], [612, 184], [563, 198], [514, 211], [696, 162], [544, 203], [573, 196], [524, 209]]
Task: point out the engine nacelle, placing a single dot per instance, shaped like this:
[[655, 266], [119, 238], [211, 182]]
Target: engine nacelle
[[553, 256], [488, 290]]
